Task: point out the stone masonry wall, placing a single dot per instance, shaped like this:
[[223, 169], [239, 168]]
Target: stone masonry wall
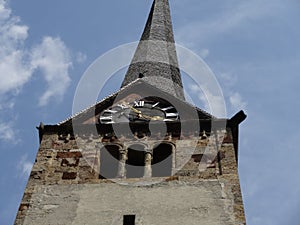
[[64, 185]]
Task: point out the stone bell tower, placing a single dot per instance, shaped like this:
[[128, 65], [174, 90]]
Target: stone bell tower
[[142, 155]]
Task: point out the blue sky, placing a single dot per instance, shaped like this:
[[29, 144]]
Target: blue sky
[[252, 47]]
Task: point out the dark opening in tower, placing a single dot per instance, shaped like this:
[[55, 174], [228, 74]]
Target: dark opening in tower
[[135, 161], [162, 160], [128, 219], [109, 161]]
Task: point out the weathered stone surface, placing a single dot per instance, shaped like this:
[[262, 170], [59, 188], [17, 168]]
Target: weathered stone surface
[[69, 175], [165, 203], [68, 155], [60, 176]]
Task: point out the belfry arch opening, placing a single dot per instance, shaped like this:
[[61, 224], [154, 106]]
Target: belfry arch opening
[[162, 160], [109, 161], [135, 161]]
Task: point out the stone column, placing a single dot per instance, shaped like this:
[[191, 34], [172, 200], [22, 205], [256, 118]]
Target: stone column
[[122, 163], [148, 168]]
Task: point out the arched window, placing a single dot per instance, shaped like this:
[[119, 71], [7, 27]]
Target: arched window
[[162, 160], [109, 161], [135, 161]]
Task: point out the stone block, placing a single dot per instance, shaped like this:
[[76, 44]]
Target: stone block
[[69, 175]]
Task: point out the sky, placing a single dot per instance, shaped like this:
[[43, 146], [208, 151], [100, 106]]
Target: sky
[[252, 47]]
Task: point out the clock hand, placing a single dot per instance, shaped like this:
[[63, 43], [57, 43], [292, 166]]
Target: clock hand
[[138, 112], [140, 115], [134, 109], [157, 118], [145, 116], [152, 117], [155, 105]]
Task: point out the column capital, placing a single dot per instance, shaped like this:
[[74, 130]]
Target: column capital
[[149, 151], [123, 151], [148, 161]]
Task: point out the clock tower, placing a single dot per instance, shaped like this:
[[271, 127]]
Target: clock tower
[[143, 155]]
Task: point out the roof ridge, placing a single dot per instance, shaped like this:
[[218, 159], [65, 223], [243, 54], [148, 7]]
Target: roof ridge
[[97, 102], [125, 87]]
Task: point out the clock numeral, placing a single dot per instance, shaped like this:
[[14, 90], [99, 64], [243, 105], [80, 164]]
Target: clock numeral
[[106, 119], [168, 108], [166, 120], [139, 103], [114, 114], [109, 111], [171, 115], [156, 104], [122, 106]]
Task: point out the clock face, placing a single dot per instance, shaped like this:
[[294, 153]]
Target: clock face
[[139, 111]]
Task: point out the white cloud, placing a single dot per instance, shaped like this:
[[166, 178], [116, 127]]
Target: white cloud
[[228, 79], [4, 12], [6, 105], [52, 57], [81, 57], [7, 132], [232, 94], [229, 16], [18, 63], [211, 103], [196, 91], [236, 101], [204, 53], [24, 166], [14, 72]]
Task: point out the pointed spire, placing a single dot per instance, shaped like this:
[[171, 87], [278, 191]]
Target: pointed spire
[[155, 60]]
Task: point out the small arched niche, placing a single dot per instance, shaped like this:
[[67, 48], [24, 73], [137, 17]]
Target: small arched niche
[[109, 161], [162, 160], [135, 161]]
